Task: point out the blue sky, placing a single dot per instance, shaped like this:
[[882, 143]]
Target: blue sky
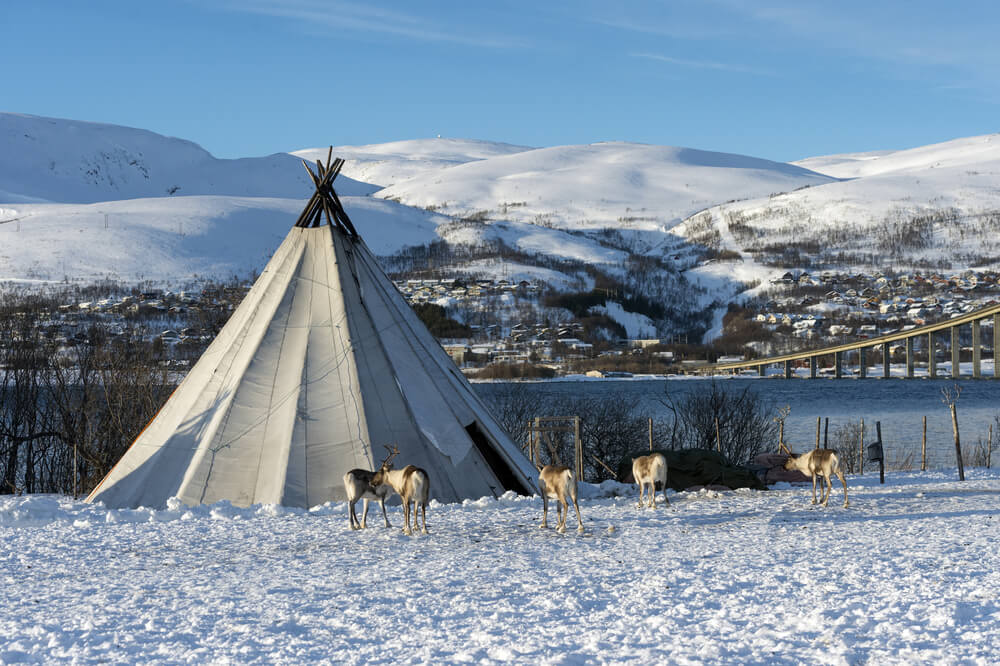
[[780, 80]]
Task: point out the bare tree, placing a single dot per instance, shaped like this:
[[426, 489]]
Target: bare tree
[[739, 422]]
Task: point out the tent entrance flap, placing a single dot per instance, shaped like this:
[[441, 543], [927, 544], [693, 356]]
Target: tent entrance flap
[[497, 464]]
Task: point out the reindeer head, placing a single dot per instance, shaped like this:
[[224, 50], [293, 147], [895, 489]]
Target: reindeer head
[[379, 478], [790, 463]]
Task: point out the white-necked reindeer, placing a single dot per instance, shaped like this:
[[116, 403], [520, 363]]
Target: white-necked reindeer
[[556, 482], [358, 484], [818, 462], [648, 470], [412, 485]]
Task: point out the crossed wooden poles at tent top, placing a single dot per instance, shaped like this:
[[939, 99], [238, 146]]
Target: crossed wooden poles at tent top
[[325, 199]]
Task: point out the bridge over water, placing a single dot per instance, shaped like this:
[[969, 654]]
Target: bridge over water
[[860, 352]]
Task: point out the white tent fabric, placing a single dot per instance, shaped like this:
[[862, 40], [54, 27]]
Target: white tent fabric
[[322, 364]]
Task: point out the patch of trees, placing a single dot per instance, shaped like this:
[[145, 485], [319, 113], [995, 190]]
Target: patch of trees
[[580, 303], [438, 322], [613, 429], [508, 371], [68, 414]]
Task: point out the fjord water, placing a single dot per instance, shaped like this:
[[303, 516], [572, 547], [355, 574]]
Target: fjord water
[[898, 404]]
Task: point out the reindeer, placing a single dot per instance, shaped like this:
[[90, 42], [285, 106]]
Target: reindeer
[[648, 470], [556, 482], [818, 462], [358, 484], [412, 485]]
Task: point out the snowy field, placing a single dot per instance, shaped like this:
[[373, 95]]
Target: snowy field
[[910, 573]]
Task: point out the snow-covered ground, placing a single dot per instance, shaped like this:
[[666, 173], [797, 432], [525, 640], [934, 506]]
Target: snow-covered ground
[[910, 573]]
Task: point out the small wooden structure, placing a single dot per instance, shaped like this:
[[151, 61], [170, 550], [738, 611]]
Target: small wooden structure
[[540, 430]]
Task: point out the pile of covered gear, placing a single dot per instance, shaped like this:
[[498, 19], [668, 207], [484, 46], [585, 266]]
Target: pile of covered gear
[[773, 466], [689, 469]]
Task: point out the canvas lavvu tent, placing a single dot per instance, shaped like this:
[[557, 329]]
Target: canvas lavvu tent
[[321, 365]]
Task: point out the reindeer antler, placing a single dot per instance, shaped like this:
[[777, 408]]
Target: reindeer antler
[[393, 452]]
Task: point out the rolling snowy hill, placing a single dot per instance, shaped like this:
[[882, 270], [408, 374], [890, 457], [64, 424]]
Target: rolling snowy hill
[[178, 239], [69, 161], [968, 151], [621, 185], [385, 164], [934, 207]]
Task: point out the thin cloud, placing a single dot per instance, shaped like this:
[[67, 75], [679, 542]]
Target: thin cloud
[[704, 64], [366, 19], [688, 31]]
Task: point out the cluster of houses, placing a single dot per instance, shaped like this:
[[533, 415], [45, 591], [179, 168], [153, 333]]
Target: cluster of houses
[[862, 306], [879, 284], [430, 291], [521, 343], [147, 316]]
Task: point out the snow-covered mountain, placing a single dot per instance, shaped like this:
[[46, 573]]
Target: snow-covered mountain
[[385, 164], [936, 207], [681, 226], [974, 150], [69, 161], [621, 185]]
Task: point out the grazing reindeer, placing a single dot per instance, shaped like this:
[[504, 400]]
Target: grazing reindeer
[[412, 485], [358, 484], [556, 482], [818, 462], [648, 470]]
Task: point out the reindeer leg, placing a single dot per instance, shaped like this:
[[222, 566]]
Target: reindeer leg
[[406, 518], [351, 516], [423, 515], [652, 489], [545, 510], [364, 514], [829, 489], [639, 505], [814, 488], [385, 516], [840, 475], [579, 520], [563, 512]]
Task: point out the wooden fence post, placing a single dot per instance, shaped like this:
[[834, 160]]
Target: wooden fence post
[[861, 465], [536, 437], [578, 448], [718, 438], [989, 446], [958, 443], [826, 434], [650, 434], [923, 448], [819, 421], [881, 462]]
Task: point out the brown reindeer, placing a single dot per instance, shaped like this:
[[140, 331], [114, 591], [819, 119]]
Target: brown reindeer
[[556, 482], [648, 470], [412, 485], [358, 484], [822, 463]]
